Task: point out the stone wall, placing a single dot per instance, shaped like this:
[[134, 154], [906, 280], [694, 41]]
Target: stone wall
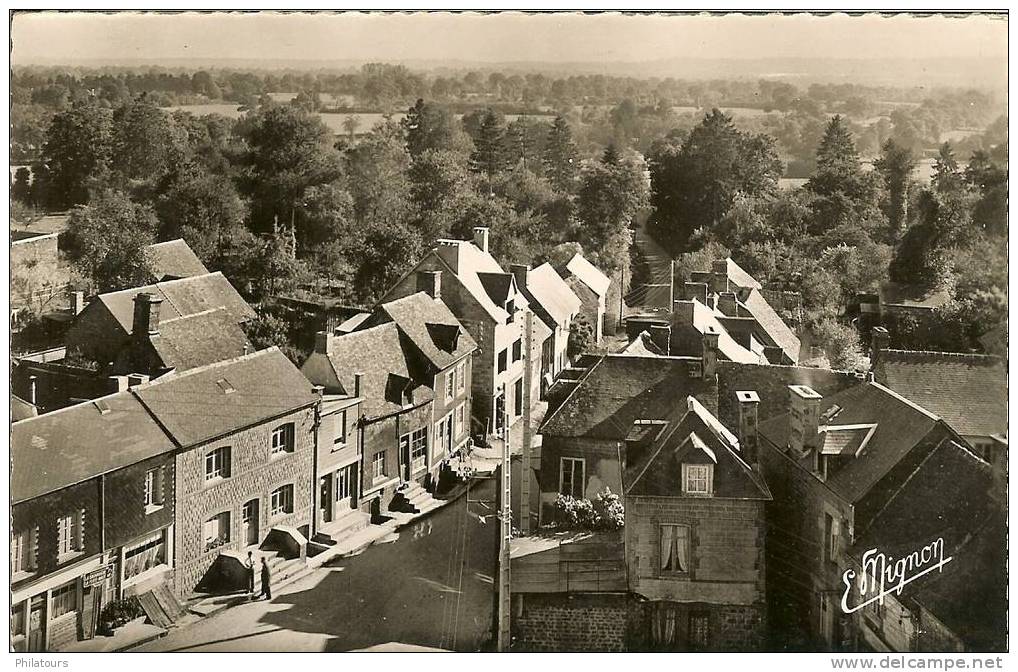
[[561, 622]]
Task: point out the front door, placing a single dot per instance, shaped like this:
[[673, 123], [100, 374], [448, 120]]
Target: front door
[[37, 624], [325, 498], [249, 518], [404, 457], [499, 414]]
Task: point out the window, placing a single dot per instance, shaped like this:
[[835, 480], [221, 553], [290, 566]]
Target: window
[[572, 477], [461, 376], [340, 429], [18, 620], [518, 397], [699, 631], [510, 307], [65, 599], [24, 550], [70, 538], [217, 531], [461, 418], [442, 435], [502, 365], [282, 439], [217, 463], [145, 555], [518, 350], [697, 479], [418, 448], [281, 500], [830, 539], [675, 548], [378, 467], [154, 488], [450, 384], [344, 478]]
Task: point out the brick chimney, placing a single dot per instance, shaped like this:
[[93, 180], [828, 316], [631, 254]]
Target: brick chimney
[[430, 282], [879, 340], [323, 342], [697, 291], [805, 420], [481, 237], [146, 315], [749, 401], [32, 389], [358, 384], [521, 273], [727, 304], [77, 302], [710, 352], [661, 335]]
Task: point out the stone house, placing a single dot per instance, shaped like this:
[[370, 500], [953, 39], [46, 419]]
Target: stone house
[[491, 308], [591, 286], [92, 517], [832, 464], [695, 534], [101, 329], [245, 432], [967, 390], [556, 306], [338, 469]]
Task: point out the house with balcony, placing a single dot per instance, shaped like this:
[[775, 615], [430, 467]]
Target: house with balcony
[[92, 517], [490, 306]]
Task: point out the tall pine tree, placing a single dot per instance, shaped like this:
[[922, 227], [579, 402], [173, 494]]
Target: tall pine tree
[[560, 156]]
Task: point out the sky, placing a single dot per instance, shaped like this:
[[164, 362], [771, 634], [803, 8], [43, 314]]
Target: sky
[[506, 37]]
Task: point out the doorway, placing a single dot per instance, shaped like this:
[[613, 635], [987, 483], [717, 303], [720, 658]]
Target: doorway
[[404, 457], [249, 518], [37, 624], [325, 498]]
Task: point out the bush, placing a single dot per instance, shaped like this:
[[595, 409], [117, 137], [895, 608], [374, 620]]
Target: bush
[[604, 513], [119, 612]]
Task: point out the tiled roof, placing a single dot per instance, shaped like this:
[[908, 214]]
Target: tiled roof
[[431, 327], [73, 444], [620, 389], [552, 293], [740, 277], [212, 401], [497, 286], [948, 497], [968, 391], [589, 274], [660, 473], [186, 296], [21, 409], [771, 323], [173, 259], [704, 318], [901, 425], [196, 340]]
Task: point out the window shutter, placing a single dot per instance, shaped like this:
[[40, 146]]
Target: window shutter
[[80, 536], [33, 549], [162, 484], [227, 461]]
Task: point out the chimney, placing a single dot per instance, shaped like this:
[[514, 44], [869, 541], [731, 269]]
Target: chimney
[[136, 379], [805, 420], [749, 401], [697, 291], [719, 282], [430, 282], [661, 335], [520, 272], [727, 304], [358, 379], [710, 352], [32, 382], [481, 237], [118, 383], [879, 340], [323, 342], [318, 390], [146, 315], [77, 302]]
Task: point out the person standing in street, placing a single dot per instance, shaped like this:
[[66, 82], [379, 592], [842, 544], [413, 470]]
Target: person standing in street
[[266, 580], [250, 564]]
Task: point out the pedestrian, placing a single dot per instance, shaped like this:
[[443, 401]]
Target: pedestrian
[[266, 580], [250, 565]]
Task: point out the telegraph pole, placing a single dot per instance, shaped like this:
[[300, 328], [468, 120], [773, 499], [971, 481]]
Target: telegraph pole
[[505, 534], [671, 286], [528, 368]]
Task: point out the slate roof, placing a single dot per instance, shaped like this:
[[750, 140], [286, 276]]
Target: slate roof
[[378, 354], [901, 425], [21, 409], [497, 286], [431, 327], [186, 296], [73, 444], [195, 340], [947, 497], [466, 261], [589, 274], [622, 388], [740, 277], [968, 391], [771, 323], [550, 291], [173, 259], [700, 436], [212, 401], [704, 318]]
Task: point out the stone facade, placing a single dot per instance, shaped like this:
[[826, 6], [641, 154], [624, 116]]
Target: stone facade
[[572, 622], [254, 474], [382, 435]]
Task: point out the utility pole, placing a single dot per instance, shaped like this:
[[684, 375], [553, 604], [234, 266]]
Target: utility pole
[[505, 534], [671, 285], [528, 368]]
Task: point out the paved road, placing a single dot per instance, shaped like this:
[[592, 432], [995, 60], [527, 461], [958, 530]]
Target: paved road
[[650, 290], [432, 587]]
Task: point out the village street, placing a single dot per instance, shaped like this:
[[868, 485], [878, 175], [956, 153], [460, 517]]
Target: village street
[[432, 587]]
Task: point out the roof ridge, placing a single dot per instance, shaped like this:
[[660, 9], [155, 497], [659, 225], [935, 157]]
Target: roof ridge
[[80, 404], [207, 311], [177, 375], [943, 353], [167, 242], [905, 400]]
